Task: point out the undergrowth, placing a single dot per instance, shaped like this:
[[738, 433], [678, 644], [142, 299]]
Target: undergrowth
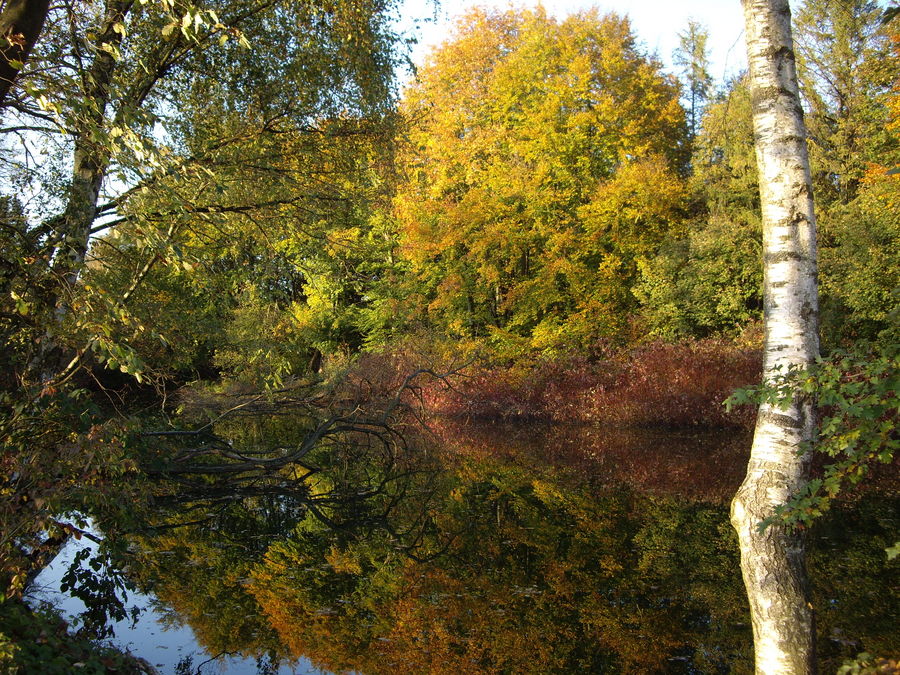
[[40, 641], [660, 384]]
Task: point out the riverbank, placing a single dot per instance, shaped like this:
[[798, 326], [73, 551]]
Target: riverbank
[[672, 385]]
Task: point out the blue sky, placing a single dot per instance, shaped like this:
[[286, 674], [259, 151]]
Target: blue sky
[[655, 22]]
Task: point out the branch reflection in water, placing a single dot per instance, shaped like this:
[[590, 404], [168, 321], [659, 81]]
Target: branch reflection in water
[[384, 546]]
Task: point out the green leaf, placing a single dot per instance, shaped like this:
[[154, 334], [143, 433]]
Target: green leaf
[[893, 551]]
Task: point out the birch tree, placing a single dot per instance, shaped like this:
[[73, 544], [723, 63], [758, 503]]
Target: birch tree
[[773, 558]]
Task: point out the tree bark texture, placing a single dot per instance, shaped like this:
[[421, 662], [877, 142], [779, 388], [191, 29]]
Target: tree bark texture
[[773, 561], [91, 157], [21, 23], [90, 162]]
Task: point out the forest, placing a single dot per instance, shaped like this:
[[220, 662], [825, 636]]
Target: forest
[[215, 209]]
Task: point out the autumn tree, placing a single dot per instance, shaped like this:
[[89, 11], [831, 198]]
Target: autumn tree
[[543, 162]]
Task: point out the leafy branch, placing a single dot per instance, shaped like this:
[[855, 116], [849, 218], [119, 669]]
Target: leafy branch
[[856, 393]]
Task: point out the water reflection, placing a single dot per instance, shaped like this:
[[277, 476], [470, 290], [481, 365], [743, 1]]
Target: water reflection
[[493, 550]]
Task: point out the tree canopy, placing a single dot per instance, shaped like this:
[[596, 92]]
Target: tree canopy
[[543, 161]]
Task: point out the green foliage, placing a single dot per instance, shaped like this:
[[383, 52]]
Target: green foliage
[[858, 396], [724, 159], [846, 71], [131, 84], [708, 283], [39, 641], [707, 279], [860, 263], [59, 454], [275, 261]]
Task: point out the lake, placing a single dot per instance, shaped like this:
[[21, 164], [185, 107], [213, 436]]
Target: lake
[[483, 548]]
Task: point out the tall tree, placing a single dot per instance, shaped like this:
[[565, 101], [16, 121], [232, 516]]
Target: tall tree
[[115, 78], [773, 558], [544, 161], [109, 94], [692, 59], [846, 71]]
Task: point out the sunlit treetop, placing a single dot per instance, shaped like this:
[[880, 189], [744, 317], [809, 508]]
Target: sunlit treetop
[[518, 124]]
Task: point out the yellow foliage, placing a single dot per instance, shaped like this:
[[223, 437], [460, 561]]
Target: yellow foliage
[[343, 561], [544, 156]]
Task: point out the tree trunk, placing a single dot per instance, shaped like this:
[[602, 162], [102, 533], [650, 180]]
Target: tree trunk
[[90, 163], [772, 561], [91, 157], [21, 23]]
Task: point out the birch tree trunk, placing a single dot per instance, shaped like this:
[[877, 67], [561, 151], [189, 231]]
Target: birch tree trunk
[[773, 561]]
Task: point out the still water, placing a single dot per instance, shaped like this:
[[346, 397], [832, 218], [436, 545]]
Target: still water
[[474, 548]]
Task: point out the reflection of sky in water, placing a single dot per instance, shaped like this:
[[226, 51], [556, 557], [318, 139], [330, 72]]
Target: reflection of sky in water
[[161, 645]]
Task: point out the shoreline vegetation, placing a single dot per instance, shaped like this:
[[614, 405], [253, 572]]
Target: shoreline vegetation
[[581, 414], [659, 384], [548, 225], [671, 385], [39, 640]]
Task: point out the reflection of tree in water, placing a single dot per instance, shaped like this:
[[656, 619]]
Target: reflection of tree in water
[[226, 492], [539, 579], [704, 465], [546, 566]]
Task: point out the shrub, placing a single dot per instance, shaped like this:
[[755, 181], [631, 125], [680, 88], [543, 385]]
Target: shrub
[[678, 385], [41, 642]]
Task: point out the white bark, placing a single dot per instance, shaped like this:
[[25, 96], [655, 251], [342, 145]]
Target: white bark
[[772, 562]]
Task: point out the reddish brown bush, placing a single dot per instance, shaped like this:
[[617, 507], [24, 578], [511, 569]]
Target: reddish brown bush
[[678, 385], [681, 385]]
